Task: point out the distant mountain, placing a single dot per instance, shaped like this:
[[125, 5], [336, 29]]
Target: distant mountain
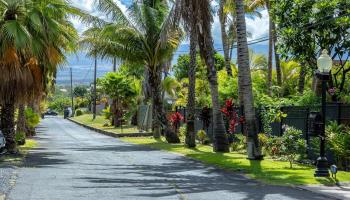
[[83, 66]]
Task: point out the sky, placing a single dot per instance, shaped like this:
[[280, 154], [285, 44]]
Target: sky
[[82, 65]]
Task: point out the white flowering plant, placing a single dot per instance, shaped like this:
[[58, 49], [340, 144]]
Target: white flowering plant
[[292, 144]]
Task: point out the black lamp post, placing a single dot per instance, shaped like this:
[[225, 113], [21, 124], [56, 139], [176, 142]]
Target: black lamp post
[[324, 64]]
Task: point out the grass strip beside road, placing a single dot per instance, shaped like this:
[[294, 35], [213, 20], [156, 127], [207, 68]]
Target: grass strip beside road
[[268, 170], [23, 150], [98, 123]]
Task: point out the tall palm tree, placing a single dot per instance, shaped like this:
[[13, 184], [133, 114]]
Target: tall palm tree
[[272, 42], [33, 38], [203, 19], [224, 37], [244, 78], [187, 9], [143, 35]]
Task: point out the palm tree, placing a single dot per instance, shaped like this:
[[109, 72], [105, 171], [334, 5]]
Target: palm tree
[[272, 43], [33, 38], [244, 78], [224, 37], [187, 9], [203, 19], [143, 35]]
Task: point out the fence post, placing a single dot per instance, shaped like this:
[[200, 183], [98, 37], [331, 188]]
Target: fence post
[[307, 132], [281, 122]]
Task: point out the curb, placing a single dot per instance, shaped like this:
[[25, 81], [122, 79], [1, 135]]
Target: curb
[[111, 134]]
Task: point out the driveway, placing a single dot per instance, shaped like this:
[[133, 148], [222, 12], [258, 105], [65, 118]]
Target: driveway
[[75, 163]]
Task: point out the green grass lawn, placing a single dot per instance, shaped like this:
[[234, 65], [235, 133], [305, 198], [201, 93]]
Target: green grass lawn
[[100, 121], [268, 170]]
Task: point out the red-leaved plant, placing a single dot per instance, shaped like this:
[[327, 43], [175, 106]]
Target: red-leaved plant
[[175, 120], [229, 111]]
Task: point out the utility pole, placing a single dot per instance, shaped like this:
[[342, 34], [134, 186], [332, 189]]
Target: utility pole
[[95, 93], [71, 90], [114, 64]]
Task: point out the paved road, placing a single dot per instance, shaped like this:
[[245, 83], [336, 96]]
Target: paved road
[[75, 163]]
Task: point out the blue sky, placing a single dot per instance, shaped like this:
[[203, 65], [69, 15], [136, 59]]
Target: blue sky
[[82, 65]]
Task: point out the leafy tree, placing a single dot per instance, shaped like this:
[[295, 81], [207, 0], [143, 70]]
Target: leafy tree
[[144, 35], [80, 91], [305, 27], [181, 68], [120, 87]]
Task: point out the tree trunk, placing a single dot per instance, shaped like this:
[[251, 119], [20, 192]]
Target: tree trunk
[[277, 58], [159, 117], [244, 78], [191, 103], [206, 47], [269, 63], [146, 89], [21, 120], [224, 37], [302, 75], [8, 126]]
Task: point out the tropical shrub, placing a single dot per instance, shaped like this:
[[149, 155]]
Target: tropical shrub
[[240, 143], [175, 120], [263, 140], [292, 144], [78, 112], [338, 140], [107, 113], [32, 118], [20, 137], [182, 132], [202, 136]]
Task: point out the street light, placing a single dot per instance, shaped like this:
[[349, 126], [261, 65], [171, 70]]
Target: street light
[[324, 64]]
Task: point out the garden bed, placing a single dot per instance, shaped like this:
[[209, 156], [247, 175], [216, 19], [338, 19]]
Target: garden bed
[[268, 170], [98, 126]]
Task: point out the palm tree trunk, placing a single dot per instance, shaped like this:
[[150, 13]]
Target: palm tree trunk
[[224, 38], [8, 126], [191, 104], [206, 47], [277, 58], [159, 117], [21, 120], [146, 89], [271, 42], [114, 64], [244, 78]]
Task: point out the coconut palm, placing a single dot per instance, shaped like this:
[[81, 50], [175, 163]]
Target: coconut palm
[[272, 42], [143, 35], [202, 22], [187, 9], [244, 78]]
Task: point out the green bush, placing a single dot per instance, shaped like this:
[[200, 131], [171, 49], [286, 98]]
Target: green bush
[[20, 138], [202, 136], [292, 144], [338, 140], [32, 118], [263, 140], [240, 143], [78, 112], [107, 113]]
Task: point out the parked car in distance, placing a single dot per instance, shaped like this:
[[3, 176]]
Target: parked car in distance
[[51, 112], [2, 143]]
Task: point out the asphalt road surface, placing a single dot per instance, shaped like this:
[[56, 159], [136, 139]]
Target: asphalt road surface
[[72, 162]]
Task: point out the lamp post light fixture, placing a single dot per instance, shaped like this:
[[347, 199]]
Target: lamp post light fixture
[[324, 64]]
